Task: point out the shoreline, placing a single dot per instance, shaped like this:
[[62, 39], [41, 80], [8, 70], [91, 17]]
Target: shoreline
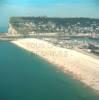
[[83, 67]]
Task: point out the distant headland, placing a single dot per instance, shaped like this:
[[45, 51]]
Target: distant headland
[[60, 26]]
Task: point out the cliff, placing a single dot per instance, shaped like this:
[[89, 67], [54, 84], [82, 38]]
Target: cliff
[[12, 31], [61, 26]]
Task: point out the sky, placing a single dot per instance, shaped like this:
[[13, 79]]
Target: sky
[[50, 8]]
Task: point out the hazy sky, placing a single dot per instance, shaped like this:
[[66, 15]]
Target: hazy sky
[[59, 8]]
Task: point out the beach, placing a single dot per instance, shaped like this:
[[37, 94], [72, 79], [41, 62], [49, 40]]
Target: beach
[[83, 67]]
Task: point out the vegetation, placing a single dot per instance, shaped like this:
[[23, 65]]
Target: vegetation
[[67, 26]]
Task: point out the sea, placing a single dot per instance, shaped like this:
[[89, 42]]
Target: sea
[[26, 76]]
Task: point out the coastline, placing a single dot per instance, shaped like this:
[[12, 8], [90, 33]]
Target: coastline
[[83, 67]]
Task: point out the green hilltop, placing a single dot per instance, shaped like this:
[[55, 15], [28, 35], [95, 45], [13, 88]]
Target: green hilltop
[[67, 26]]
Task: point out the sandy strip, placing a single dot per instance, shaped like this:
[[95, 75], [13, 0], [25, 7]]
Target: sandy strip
[[83, 67]]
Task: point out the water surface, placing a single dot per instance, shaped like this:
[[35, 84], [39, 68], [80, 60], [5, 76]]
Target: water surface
[[24, 76]]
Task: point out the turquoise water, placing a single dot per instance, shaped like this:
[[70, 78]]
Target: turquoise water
[[24, 76], [3, 29]]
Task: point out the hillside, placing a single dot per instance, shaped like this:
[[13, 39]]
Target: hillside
[[61, 26]]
